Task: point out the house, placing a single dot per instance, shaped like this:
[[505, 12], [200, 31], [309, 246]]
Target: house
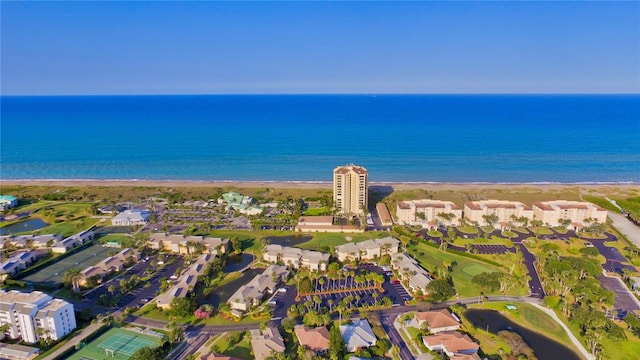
[[7, 202], [18, 352], [358, 335], [186, 244], [315, 339], [266, 342], [296, 258], [428, 213], [437, 320], [417, 278], [383, 214], [505, 212], [323, 224], [32, 315], [185, 283], [367, 250], [131, 218], [553, 213], [252, 293], [451, 343]]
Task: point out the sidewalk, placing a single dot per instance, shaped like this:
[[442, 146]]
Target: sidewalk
[[75, 340], [587, 355]]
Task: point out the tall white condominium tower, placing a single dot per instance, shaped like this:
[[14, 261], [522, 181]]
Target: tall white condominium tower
[[350, 189], [24, 314]]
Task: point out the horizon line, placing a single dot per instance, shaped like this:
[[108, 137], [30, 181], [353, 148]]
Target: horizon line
[[341, 94]]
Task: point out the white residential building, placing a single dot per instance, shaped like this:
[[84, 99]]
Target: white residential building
[[35, 241], [367, 250], [358, 335], [296, 258], [409, 269], [8, 202], [506, 212], [185, 283], [73, 241], [254, 291], [25, 313], [350, 189], [183, 244], [131, 218], [428, 213], [16, 263], [552, 212]]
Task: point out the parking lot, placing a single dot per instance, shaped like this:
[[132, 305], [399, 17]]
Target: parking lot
[[359, 290], [490, 249]]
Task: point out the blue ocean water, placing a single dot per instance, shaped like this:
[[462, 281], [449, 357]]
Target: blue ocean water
[[399, 138]]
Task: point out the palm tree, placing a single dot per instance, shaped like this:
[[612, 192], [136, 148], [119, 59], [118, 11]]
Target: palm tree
[[111, 289], [375, 297], [73, 276]]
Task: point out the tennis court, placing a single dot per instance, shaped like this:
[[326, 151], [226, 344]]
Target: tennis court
[[116, 344], [54, 273]]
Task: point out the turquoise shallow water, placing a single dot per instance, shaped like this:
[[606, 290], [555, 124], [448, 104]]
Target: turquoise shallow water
[[401, 138]]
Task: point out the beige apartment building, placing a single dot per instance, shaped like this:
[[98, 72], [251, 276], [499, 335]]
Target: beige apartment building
[[506, 211], [552, 212], [350, 189], [428, 213]]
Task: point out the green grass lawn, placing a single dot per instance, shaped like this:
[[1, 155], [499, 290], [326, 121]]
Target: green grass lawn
[[241, 350], [468, 229], [335, 239], [317, 211], [463, 271]]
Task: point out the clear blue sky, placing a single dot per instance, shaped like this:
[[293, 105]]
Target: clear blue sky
[[319, 47]]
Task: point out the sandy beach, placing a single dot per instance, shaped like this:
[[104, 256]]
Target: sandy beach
[[327, 185]]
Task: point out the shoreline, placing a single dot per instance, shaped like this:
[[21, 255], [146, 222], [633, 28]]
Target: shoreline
[[300, 184]]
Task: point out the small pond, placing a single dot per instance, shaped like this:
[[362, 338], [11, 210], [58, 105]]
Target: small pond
[[543, 347], [238, 262], [23, 226], [223, 293], [289, 240]]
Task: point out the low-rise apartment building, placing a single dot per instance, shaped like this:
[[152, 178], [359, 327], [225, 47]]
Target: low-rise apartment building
[[185, 283], [553, 213], [324, 224], [296, 258], [30, 241], [383, 214], [367, 250], [25, 313], [109, 265], [255, 290], [506, 212], [186, 244], [8, 202], [417, 278], [72, 241], [16, 263], [428, 213]]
